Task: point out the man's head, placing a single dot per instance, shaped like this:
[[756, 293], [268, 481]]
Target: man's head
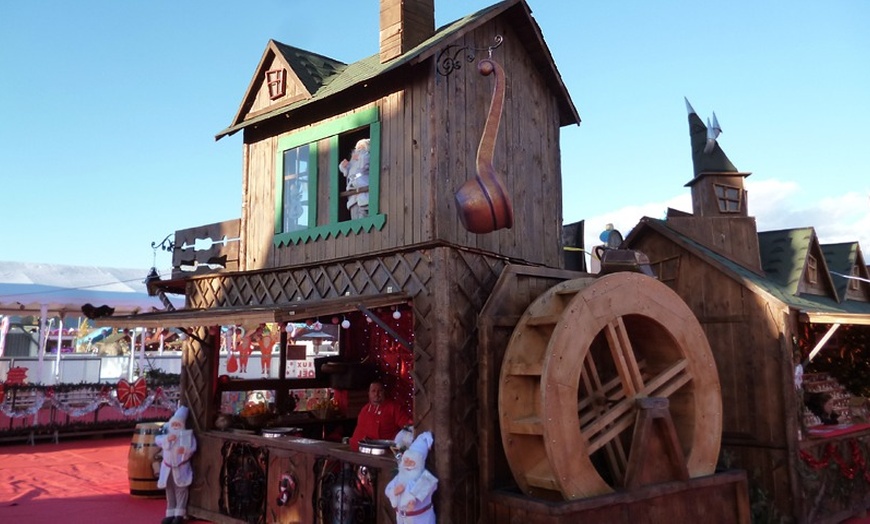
[[376, 393]]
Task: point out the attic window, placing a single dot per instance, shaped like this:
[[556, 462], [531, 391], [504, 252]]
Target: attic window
[[812, 269], [854, 283], [275, 80], [729, 198]]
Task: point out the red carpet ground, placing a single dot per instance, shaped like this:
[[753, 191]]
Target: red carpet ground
[[81, 481]]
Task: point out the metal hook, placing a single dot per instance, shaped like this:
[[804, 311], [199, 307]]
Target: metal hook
[[498, 41]]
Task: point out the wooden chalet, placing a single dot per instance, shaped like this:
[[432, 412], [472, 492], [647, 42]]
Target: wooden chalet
[[769, 302], [431, 305]]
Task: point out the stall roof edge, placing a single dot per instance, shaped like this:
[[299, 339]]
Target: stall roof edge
[[283, 312]]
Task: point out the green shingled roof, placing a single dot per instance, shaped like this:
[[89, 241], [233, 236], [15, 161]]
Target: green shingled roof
[[313, 70], [841, 258], [325, 77], [778, 286], [784, 254], [323, 84]]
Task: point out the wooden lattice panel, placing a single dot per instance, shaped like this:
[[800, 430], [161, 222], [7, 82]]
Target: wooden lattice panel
[[448, 288], [197, 379]]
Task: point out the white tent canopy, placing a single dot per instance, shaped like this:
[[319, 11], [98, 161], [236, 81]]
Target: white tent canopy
[[34, 289]]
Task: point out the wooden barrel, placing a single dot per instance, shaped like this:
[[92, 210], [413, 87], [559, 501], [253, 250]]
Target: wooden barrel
[[143, 464]]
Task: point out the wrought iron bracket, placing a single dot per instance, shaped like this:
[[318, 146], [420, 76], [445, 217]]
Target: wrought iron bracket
[[449, 60], [165, 244]]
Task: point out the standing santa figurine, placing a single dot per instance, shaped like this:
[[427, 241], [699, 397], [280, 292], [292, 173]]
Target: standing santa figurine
[[356, 171], [176, 474], [410, 492]]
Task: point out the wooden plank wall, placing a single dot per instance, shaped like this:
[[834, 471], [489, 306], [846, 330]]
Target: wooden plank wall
[[431, 127], [258, 203], [516, 289], [724, 496], [527, 149], [736, 238], [753, 362]]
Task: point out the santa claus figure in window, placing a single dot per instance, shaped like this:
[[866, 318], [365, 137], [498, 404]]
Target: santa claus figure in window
[[356, 171], [410, 492]]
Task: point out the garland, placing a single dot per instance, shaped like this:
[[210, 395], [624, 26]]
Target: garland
[[859, 465], [157, 398]]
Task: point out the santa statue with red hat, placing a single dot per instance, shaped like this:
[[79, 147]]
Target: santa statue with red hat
[[176, 474], [410, 491]]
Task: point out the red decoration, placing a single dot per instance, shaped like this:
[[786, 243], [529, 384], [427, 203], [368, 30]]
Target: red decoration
[[16, 376], [232, 363], [2, 393], [132, 395], [831, 452]]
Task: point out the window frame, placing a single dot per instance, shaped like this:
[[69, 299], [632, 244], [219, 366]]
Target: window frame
[[313, 137], [812, 270], [854, 283], [724, 200]]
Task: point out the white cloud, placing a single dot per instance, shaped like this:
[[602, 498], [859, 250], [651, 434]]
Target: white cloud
[[841, 218]]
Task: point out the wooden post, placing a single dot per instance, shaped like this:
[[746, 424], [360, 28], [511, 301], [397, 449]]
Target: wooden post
[[656, 455]]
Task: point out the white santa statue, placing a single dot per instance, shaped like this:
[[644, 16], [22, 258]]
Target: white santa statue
[[356, 171], [176, 474], [410, 492]]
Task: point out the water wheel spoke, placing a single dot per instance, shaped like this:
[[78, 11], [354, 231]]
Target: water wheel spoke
[[623, 356], [616, 458], [610, 432], [597, 401], [668, 381], [618, 415]]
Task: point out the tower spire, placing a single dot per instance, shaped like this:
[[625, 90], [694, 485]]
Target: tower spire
[[707, 156]]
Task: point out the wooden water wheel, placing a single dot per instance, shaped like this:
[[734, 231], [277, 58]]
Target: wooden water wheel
[[581, 359]]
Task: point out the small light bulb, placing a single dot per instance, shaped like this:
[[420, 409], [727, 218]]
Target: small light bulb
[[345, 324], [397, 314]]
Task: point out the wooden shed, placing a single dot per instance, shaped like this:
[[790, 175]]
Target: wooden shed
[[429, 300], [770, 302]]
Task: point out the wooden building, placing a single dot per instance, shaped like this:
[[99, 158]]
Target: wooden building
[[768, 302], [445, 300]]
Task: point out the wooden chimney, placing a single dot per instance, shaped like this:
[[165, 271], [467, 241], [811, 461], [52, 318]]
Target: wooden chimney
[[404, 25]]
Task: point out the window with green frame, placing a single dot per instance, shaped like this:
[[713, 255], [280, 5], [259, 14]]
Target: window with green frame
[[297, 180]]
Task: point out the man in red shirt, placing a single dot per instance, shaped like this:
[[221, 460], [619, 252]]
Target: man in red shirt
[[380, 419]]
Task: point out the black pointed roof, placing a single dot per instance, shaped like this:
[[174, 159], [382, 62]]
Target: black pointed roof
[[713, 162]]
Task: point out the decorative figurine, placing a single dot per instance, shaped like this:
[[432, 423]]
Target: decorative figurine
[[356, 171], [410, 491], [176, 474]]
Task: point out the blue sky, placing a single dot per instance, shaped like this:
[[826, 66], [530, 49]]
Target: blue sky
[[110, 110]]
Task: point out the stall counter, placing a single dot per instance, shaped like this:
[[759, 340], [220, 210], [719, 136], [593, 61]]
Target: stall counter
[[240, 476]]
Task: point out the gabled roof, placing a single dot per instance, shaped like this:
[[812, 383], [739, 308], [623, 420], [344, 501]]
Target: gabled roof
[[313, 70], [817, 308], [331, 77], [784, 255], [309, 71], [841, 258]]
